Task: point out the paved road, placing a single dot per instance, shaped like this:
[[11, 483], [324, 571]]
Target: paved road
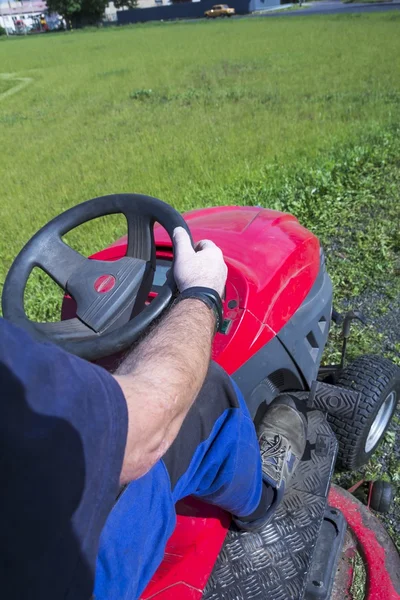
[[323, 7], [332, 7]]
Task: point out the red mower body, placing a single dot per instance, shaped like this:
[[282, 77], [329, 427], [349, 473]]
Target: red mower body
[[277, 311], [273, 262]]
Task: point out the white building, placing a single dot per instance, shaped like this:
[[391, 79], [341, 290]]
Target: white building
[[13, 13], [111, 11]]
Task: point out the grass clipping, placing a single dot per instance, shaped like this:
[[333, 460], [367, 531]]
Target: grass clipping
[[357, 590]]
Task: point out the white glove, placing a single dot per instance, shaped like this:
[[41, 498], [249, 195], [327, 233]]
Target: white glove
[[203, 267]]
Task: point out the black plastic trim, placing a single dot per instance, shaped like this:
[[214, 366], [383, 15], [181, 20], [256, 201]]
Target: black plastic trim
[[327, 551], [253, 378], [306, 334], [290, 361]]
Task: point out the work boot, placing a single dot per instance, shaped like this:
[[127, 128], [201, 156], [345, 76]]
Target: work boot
[[282, 436]]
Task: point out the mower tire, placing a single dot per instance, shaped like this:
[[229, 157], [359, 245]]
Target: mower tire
[[377, 379], [381, 496]]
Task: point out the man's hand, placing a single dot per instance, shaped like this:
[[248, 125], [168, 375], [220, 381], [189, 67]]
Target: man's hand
[[203, 266]]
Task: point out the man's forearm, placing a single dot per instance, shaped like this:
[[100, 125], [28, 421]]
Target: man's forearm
[[160, 380]]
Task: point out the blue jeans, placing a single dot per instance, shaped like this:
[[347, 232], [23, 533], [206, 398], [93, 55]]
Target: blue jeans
[[215, 457]]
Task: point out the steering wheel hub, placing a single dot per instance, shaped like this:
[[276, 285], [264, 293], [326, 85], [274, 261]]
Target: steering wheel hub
[[104, 284]]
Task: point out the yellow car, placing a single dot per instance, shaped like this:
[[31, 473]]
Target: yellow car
[[219, 10]]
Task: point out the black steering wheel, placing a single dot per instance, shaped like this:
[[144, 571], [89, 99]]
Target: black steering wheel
[[110, 296]]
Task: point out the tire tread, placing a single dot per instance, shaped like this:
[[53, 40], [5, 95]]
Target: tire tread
[[360, 377]]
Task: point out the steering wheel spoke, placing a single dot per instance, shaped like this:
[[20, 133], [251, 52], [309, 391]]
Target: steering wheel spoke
[[59, 260], [106, 292], [140, 236]]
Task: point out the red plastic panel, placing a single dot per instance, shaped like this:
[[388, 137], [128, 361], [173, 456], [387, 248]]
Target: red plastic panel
[[274, 260], [191, 552], [272, 264], [380, 555]]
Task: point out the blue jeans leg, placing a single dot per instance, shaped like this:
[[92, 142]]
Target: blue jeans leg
[[221, 466]]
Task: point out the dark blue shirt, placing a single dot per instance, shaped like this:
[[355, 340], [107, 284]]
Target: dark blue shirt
[[63, 427]]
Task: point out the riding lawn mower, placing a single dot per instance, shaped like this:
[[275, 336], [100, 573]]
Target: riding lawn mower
[[277, 316]]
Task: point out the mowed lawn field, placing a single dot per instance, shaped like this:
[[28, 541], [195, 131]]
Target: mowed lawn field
[[299, 114], [184, 111]]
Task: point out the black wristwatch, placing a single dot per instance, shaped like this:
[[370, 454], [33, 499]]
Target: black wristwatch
[[210, 298]]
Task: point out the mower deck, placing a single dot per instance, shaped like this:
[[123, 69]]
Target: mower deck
[[276, 563]]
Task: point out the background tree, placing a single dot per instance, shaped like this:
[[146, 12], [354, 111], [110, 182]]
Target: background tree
[[93, 10], [65, 8], [79, 12]]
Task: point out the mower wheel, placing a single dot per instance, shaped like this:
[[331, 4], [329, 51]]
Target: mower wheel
[[381, 496], [378, 381]]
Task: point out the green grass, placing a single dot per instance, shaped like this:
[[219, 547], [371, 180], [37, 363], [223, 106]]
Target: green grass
[[194, 114], [359, 578], [298, 115], [5, 85], [183, 111]]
